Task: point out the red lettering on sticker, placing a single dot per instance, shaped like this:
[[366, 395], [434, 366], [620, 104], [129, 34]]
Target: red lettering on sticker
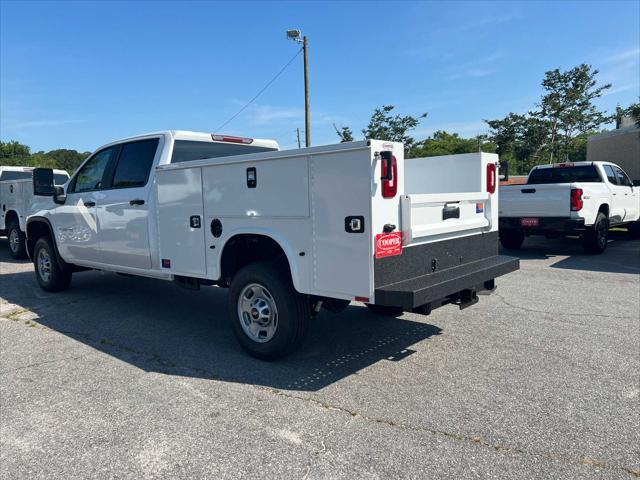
[[388, 244]]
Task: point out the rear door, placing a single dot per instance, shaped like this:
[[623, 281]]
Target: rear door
[[629, 194], [617, 207], [123, 206]]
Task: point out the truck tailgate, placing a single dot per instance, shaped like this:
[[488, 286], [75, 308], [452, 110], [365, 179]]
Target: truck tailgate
[[552, 200]]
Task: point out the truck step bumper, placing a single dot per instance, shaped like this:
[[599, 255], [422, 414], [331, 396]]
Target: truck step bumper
[[446, 286]]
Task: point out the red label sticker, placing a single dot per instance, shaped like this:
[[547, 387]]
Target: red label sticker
[[388, 244]]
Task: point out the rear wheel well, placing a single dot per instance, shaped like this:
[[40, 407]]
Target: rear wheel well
[[604, 208], [10, 217], [243, 249]]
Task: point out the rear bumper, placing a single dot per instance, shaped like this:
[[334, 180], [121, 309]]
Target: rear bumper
[[546, 225], [446, 286]]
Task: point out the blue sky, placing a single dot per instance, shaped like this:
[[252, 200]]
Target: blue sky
[[80, 74]]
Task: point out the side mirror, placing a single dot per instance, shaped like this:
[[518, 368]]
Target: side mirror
[[43, 182], [504, 171]]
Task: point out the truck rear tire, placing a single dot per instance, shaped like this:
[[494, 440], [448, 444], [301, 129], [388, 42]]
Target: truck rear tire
[[595, 238], [16, 238], [384, 310], [51, 277], [511, 239], [268, 316]]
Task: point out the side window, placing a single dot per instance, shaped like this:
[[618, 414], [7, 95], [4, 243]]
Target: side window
[[89, 178], [622, 177], [611, 176], [134, 164]]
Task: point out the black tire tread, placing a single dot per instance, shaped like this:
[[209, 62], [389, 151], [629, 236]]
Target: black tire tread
[[60, 277], [22, 251]]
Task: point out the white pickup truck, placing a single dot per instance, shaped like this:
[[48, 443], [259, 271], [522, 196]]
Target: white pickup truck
[[288, 232], [16, 195], [581, 198]]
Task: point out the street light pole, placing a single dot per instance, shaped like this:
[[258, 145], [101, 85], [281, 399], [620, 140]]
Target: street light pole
[[295, 36], [307, 107]]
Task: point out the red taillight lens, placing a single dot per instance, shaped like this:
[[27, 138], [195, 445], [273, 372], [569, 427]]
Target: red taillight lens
[[491, 177], [389, 175], [576, 199]]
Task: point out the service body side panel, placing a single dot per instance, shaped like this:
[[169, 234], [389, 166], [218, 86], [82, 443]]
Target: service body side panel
[[181, 245], [341, 188]]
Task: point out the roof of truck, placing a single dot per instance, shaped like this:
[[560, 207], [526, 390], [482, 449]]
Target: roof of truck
[[206, 137], [13, 168]]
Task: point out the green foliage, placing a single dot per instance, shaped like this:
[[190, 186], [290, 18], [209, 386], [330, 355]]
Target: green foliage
[[567, 106], [345, 133], [444, 143], [395, 128], [559, 129], [17, 154]]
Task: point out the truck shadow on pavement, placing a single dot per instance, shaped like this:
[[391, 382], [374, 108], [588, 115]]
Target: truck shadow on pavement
[[158, 327], [621, 256]]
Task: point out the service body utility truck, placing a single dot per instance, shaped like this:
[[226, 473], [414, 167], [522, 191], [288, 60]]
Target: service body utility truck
[[16, 194], [288, 232], [570, 199]]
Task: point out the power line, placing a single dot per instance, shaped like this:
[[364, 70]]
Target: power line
[[260, 92]]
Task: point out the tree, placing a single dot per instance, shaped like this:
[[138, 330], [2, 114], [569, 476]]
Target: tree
[[385, 126], [444, 143], [567, 105], [345, 134], [15, 153]]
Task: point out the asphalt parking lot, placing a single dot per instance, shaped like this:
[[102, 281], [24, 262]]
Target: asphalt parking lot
[[122, 377]]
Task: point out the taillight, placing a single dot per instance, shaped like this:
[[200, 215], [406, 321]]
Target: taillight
[[491, 177], [576, 199], [389, 174]]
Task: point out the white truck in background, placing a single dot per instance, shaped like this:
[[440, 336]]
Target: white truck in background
[[570, 199], [287, 232], [16, 194]]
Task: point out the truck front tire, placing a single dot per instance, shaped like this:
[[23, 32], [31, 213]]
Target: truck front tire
[[16, 238], [51, 277], [595, 238], [634, 229], [511, 239], [268, 316]]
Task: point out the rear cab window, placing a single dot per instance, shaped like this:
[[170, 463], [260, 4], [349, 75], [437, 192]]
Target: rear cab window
[[581, 173], [134, 164], [187, 150], [611, 176]]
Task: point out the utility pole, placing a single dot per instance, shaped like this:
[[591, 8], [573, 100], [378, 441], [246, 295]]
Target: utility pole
[[297, 37], [307, 107], [298, 135]]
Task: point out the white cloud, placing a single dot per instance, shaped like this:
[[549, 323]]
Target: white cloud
[[44, 123], [632, 54], [471, 73]]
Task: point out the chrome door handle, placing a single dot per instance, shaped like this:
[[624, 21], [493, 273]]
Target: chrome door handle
[[89, 204], [137, 201]]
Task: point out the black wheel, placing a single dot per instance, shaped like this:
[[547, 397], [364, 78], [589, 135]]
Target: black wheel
[[634, 230], [511, 239], [16, 237], [384, 310], [50, 276], [268, 316], [595, 238]]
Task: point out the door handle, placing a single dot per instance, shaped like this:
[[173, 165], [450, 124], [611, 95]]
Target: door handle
[[89, 204], [137, 201]]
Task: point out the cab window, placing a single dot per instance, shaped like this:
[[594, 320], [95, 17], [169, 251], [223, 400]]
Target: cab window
[[134, 164], [611, 176], [90, 176], [623, 179]]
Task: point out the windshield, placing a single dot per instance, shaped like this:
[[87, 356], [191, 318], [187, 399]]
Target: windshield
[[583, 173], [186, 150]]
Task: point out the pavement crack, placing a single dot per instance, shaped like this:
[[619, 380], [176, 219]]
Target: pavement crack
[[563, 314]]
